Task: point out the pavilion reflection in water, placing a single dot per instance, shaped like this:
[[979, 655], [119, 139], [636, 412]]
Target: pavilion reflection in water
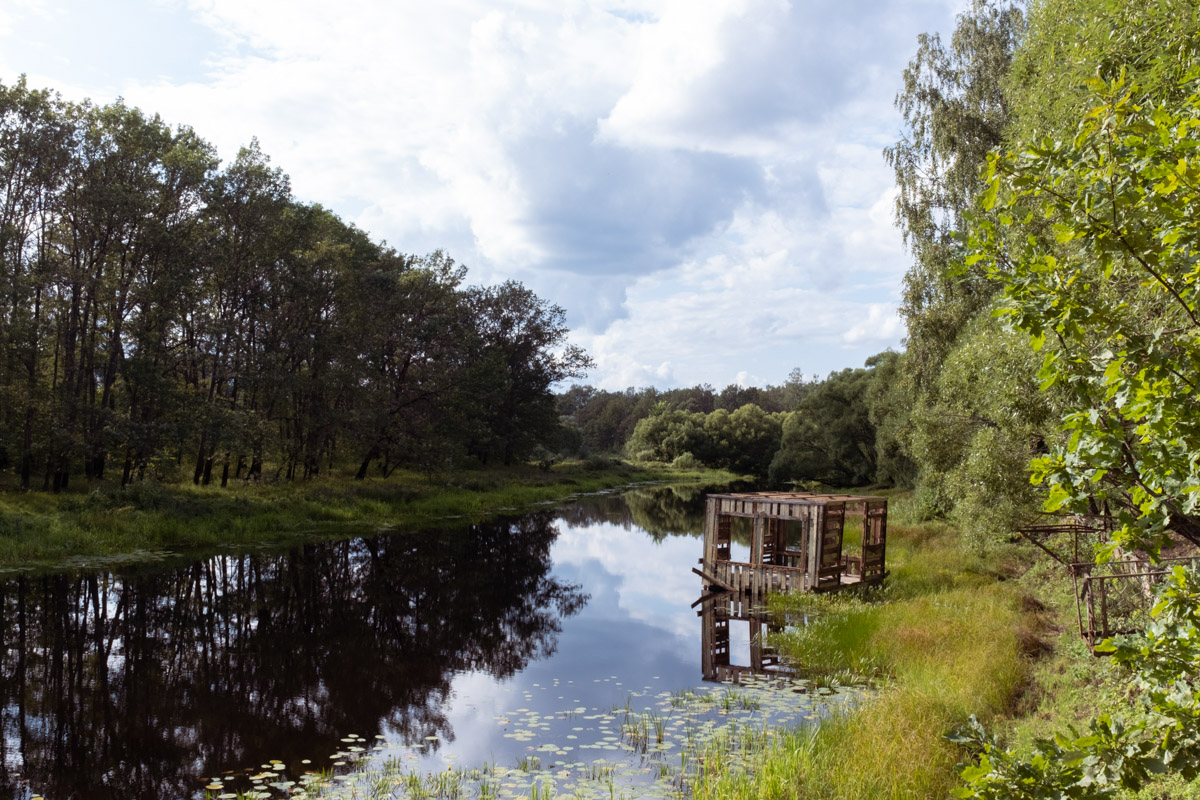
[[719, 615]]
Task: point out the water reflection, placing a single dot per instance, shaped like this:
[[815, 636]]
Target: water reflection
[[137, 683], [660, 511], [726, 657]]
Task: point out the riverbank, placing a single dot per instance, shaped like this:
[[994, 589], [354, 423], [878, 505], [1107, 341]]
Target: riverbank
[[105, 522], [951, 635]]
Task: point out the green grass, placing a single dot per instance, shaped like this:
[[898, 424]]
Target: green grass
[[951, 634], [1069, 687], [945, 639], [103, 521]]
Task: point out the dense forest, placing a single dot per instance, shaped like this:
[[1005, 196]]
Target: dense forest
[[166, 317], [1049, 199], [808, 430]]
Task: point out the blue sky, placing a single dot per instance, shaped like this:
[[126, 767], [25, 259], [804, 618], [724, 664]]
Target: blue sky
[[699, 184]]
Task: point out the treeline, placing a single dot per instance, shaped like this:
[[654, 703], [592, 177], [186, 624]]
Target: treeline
[[162, 315], [603, 421], [807, 430], [1047, 198]]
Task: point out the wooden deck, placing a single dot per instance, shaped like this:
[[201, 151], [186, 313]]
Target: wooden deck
[[796, 542]]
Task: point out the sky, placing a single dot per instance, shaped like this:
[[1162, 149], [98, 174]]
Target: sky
[[698, 183]]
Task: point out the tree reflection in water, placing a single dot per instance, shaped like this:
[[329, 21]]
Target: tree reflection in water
[[661, 511], [139, 683]]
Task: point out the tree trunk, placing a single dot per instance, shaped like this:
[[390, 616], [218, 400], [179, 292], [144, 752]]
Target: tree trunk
[[198, 472]]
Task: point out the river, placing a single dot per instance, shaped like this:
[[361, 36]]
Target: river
[[552, 652]]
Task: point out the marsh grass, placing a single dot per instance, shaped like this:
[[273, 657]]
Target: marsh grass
[[943, 639], [104, 520]]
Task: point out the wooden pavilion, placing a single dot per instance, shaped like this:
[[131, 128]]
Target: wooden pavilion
[[796, 542]]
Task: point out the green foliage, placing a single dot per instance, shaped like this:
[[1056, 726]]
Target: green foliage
[[179, 320], [830, 438], [952, 430], [1095, 240], [666, 435], [888, 408], [685, 461], [606, 419], [1163, 736], [956, 111], [1070, 43], [742, 442], [976, 429]]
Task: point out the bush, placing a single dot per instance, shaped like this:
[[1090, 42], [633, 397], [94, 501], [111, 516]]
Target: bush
[[686, 461]]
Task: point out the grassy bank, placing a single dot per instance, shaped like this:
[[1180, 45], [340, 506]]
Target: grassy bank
[[949, 636], [104, 520]]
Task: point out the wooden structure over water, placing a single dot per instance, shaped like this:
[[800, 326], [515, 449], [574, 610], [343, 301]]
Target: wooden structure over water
[[796, 542]]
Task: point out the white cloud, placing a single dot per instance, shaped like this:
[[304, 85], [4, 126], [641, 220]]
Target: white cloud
[[697, 181], [882, 325], [644, 591]]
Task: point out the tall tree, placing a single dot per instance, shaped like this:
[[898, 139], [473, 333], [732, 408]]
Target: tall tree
[[955, 112], [958, 107], [1095, 240], [34, 155], [523, 353]]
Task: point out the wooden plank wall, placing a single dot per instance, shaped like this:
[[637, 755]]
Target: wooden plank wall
[[828, 559], [756, 580], [874, 547]]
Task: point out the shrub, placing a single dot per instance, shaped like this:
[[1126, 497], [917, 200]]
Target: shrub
[[686, 461]]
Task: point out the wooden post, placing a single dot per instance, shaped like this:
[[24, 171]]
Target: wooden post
[[816, 530], [710, 531], [756, 541], [756, 646]]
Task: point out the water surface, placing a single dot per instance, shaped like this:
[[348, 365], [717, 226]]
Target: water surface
[[530, 636]]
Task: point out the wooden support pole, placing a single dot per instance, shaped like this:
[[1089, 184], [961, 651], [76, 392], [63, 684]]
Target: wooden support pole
[[714, 581]]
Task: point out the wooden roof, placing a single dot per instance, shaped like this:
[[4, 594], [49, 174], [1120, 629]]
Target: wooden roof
[[799, 498]]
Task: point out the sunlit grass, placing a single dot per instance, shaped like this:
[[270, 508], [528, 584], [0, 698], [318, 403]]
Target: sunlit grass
[[943, 640]]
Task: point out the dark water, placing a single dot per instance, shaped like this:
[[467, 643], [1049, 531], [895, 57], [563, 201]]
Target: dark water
[[480, 644]]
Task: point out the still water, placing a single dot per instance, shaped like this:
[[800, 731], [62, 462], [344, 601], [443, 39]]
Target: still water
[[531, 640]]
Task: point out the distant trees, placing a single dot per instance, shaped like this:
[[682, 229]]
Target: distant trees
[[605, 420], [171, 318], [826, 433], [830, 437], [743, 441]]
